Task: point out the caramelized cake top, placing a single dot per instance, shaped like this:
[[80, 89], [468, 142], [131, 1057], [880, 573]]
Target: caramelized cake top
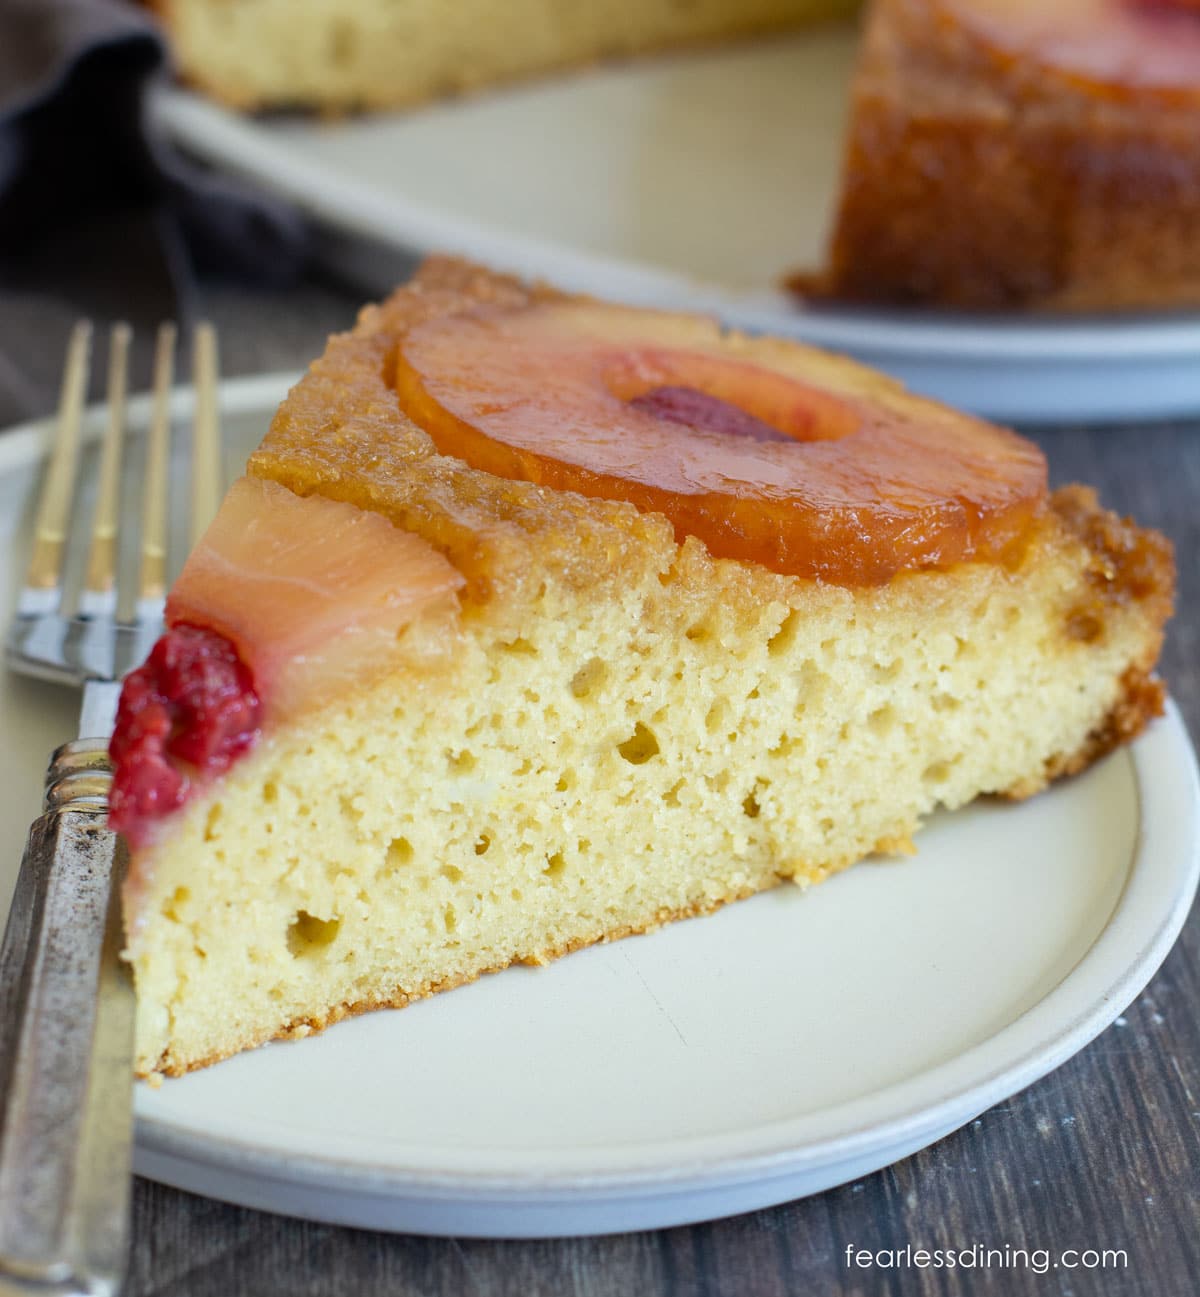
[[480, 412]]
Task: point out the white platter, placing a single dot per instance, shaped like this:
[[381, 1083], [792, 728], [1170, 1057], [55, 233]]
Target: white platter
[[695, 180], [782, 1046]]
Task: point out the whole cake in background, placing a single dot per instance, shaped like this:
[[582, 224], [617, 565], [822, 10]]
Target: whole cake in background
[[540, 621], [1000, 154], [1038, 153]]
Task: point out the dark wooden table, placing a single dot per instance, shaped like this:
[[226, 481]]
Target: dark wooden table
[[1104, 1153]]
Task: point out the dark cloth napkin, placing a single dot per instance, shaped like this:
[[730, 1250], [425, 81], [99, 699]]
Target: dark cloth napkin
[[79, 155]]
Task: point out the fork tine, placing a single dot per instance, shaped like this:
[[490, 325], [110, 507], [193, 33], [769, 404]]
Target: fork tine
[[206, 441], [99, 590], [54, 506], [152, 586]]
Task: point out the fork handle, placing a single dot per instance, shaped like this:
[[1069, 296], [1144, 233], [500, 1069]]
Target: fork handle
[[66, 1047]]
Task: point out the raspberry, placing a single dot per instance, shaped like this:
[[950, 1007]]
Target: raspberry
[[184, 716]]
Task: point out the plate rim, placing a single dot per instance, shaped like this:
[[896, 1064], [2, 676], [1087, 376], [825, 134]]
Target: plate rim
[[1166, 849], [247, 147]]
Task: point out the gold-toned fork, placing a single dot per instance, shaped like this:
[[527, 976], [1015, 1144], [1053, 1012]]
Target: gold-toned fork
[[66, 1004]]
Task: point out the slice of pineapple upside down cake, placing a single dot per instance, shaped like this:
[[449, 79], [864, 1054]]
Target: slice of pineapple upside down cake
[[539, 621]]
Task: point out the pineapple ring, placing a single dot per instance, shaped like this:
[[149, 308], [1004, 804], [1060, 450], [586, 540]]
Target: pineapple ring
[[767, 452], [1115, 48]]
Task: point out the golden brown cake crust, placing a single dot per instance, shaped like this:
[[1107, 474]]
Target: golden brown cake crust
[[974, 181], [1127, 565]]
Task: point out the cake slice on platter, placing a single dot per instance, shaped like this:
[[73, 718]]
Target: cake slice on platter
[[341, 55], [539, 621], [1005, 154]]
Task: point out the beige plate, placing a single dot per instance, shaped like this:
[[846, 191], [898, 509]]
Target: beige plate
[[784, 1045]]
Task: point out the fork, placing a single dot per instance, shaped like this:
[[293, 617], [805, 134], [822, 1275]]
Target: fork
[[66, 1002]]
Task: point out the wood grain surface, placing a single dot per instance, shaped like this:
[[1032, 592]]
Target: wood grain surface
[[1103, 1153]]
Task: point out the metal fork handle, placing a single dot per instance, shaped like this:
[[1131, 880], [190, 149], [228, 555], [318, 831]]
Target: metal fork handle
[[66, 1039]]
